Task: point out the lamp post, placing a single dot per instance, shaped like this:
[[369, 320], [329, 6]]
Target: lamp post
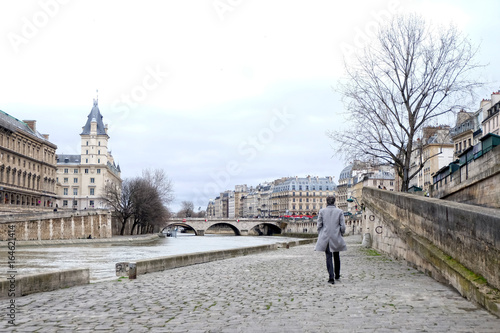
[[354, 199]]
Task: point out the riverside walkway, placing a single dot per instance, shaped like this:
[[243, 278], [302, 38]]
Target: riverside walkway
[[276, 291]]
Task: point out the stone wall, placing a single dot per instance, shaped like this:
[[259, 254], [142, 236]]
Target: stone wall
[[35, 283], [475, 183], [57, 225], [452, 242]]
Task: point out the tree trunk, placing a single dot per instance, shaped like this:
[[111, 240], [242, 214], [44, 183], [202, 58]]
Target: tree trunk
[[124, 223], [133, 228]]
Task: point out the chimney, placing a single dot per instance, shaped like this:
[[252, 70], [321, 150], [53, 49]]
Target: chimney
[[31, 124], [46, 136], [495, 98]]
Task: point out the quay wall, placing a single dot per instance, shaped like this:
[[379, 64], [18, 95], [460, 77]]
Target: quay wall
[[169, 262], [474, 183], [35, 283], [453, 242], [56, 225]]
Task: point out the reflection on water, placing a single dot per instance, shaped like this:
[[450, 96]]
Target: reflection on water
[[101, 258]]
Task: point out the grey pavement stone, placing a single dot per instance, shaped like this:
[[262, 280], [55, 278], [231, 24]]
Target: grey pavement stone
[[277, 291]]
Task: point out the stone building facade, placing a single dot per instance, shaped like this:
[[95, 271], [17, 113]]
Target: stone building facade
[[81, 178], [284, 196], [27, 165], [491, 114], [300, 196]]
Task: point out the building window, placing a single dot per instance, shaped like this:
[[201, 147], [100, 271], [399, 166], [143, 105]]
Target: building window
[[65, 191], [65, 203], [98, 152], [92, 203], [65, 180], [98, 160], [92, 180], [66, 170], [92, 191], [75, 203], [98, 171], [86, 160], [75, 180], [75, 170], [75, 191], [86, 170], [87, 152]]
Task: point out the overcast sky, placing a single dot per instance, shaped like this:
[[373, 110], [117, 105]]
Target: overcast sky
[[216, 93]]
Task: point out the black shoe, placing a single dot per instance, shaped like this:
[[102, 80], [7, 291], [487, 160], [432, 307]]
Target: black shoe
[[331, 281], [337, 277]]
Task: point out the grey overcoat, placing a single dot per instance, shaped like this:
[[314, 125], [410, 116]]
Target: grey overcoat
[[331, 228]]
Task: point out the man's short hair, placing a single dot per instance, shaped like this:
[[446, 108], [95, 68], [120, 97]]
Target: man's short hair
[[330, 200]]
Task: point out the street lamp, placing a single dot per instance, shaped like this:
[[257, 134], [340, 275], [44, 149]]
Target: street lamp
[[354, 199]]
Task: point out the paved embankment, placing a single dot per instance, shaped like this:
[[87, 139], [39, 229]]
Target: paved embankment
[[277, 291]]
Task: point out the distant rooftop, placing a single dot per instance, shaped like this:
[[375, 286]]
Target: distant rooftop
[[13, 124], [68, 159]]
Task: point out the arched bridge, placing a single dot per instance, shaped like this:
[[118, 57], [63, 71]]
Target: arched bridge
[[240, 226]]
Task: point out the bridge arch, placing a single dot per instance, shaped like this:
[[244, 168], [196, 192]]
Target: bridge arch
[[267, 229], [180, 224], [234, 228], [240, 226]]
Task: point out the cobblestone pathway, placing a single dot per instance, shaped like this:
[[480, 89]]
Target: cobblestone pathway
[[278, 291]]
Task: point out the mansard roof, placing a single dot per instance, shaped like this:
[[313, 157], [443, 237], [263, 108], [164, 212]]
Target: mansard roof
[[15, 125], [94, 115], [68, 159]]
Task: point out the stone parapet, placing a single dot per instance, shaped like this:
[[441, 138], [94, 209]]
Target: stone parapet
[[475, 182], [169, 262], [35, 283], [453, 242], [57, 225]]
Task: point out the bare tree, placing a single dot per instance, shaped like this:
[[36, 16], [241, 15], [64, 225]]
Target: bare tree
[[159, 180], [120, 200], [149, 208], [411, 75], [143, 199], [187, 209]]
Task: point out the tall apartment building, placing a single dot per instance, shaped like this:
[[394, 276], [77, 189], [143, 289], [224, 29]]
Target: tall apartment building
[[27, 164], [347, 180], [300, 196], [81, 178], [437, 152], [491, 114], [464, 134]]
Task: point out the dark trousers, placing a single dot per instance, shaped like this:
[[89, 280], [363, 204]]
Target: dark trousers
[[329, 263]]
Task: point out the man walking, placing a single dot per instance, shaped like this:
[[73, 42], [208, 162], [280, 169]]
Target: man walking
[[331, 228]]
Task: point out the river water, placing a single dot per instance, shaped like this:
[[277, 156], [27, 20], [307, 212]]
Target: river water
[[101, 257]]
